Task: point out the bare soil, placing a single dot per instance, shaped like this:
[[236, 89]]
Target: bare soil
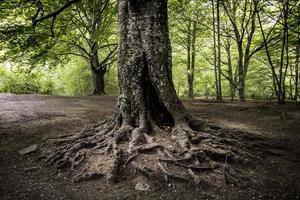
[[33, 119]]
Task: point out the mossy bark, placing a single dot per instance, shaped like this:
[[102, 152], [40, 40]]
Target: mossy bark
[[145, 66]]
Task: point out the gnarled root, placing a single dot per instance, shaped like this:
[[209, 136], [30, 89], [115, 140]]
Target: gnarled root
[[108, 150]]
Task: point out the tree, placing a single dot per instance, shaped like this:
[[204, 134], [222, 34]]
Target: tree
[[84, 30], [184, 26], [243, 34], [219, 96], [279, 67], [92, 20], [217, 78], [147, 102], [231, 76]]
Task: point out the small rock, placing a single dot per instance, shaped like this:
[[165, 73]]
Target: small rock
[[29, 149], [142, 186]]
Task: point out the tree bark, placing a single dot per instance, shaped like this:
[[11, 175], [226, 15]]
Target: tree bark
[[146, 86], [241, 80], [191, 57], [97, 71], [215, 50], [188, 61], [297, 64], [98, 82], [230, 73], [247, 28], [219, 96]]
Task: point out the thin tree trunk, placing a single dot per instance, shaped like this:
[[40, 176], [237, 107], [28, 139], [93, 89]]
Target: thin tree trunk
[[276, 83], [290, 83], [193, 58], [229, 66], [297, 66], [235, 77], [297, 59], [219, 96], [283, 48], [189, 61], [215, 50]]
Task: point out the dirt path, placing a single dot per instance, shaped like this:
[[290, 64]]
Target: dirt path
[[31, 119]]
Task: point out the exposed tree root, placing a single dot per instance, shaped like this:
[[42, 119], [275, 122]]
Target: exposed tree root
[[85, 176], [108, 150]]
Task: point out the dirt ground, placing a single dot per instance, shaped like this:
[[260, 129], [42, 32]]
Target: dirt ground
[[33, 119]]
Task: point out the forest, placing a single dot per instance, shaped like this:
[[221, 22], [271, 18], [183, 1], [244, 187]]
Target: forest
[[231, 50], [149, 99]]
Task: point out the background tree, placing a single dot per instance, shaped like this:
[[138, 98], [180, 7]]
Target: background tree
[[94, 26], [243, 29], [62, 38], [279, 67], [86, 30], [184, 24]]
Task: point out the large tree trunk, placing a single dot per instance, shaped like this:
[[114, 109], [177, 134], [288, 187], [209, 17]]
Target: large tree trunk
[[146, 87]]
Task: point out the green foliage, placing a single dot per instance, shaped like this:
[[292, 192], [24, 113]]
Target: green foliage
[[73, 79], [16, 80], [56, 61]]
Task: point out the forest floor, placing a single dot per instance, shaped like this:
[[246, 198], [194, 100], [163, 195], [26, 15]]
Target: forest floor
[[33, 119]]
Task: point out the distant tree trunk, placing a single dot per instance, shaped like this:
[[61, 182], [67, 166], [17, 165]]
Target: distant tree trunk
[[284, 50], [297, 59], [97, 70], [235, 77], [189, 70], [219, 96], [291, 84], [98, 82], [279, 80], [276, 84], [215, 50], [229, 67], [297, 66], [241, 80], [243, 48], [193, 54]]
